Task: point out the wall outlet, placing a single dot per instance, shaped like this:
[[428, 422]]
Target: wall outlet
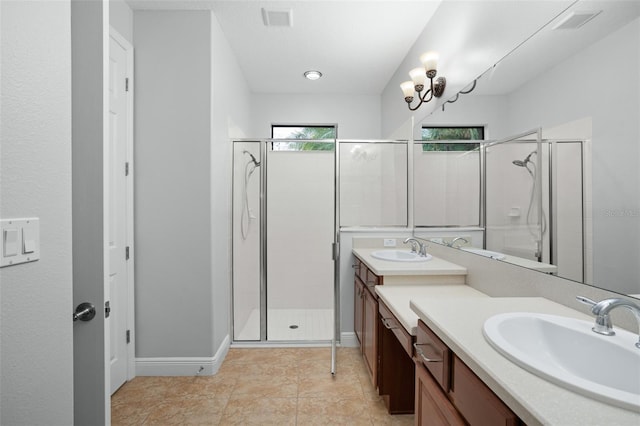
[[389, 242]]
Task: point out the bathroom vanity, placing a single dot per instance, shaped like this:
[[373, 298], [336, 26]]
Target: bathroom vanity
[[421, 334], [386, 338]]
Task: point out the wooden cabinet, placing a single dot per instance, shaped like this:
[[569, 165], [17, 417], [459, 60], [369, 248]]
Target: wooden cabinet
[[448, 392], [396, 374], [358, 298], [433, 408], [370, 333], [365, 316]]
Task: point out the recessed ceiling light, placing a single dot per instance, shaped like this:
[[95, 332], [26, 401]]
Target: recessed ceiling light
[[312, 75]]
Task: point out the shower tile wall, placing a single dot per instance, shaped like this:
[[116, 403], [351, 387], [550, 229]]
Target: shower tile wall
[[508, 197], [447, 188], [373, 184]]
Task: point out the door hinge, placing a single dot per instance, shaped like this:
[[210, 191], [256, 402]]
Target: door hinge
[[107, 309], [126, 168], [126, 253], [126, 84], [128, 336]]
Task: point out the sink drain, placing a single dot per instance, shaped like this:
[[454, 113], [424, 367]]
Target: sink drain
[[293, 326]]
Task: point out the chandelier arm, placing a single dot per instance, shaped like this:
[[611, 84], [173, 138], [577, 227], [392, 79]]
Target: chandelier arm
[[416, 107], [424, 99]]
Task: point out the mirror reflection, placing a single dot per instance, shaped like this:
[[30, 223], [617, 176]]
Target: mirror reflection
[[560, 173]]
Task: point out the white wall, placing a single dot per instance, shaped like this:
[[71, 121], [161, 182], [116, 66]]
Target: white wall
[[462, 31], [230, 120], [36, 342], [357, 116], [615, 147], [487, 111]]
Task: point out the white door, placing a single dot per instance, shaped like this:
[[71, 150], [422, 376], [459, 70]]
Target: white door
[[119, 205]]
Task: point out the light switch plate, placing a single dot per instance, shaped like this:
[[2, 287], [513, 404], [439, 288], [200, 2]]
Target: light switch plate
[[20, 241]]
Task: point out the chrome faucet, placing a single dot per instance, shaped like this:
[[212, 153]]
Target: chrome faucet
[[417, 246], [456, 239], [601, 311]]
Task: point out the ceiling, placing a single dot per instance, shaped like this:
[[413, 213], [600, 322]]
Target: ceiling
[[357, 45]]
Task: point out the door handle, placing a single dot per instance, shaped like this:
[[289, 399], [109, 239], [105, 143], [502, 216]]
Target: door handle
[[84, 312]]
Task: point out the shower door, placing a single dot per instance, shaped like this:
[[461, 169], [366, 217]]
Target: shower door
[[514, 179], [283, 235], [300, 205]]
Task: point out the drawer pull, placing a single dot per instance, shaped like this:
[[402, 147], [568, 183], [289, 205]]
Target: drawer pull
[[420, 352], [356, 267], [387, 323]]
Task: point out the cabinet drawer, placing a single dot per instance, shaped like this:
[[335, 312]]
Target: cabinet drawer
[[475, 401], [372, 279], [434, 355], [391, 322]]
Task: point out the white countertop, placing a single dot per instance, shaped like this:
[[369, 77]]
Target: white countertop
[[397, 298], [434, 266], [531, 264], [458, 322]]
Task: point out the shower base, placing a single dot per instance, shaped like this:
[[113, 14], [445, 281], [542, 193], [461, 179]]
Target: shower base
[[290, 325]]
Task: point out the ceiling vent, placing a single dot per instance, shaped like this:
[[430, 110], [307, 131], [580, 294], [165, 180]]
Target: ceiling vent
[[575, 20], [277, 17]]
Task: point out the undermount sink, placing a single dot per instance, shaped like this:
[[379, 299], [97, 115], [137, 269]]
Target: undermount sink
[[400, 256], [486, 253], [567, 352]]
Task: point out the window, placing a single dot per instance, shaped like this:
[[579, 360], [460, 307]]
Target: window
[[451, 134], [306, 133]]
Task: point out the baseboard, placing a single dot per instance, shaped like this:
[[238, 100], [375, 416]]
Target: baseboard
[[183, 366], [349, 340]]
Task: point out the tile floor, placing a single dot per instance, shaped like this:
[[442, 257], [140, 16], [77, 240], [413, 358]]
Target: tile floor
[[270, 386]]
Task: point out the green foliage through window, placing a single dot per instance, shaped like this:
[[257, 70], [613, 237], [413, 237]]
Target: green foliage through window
[[451, 134], [306, 133]]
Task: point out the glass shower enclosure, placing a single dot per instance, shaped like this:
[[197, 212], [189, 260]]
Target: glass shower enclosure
[[283, 239]]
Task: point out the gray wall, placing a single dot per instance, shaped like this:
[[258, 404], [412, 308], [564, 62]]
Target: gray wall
[[172, 154], [191, 101], [121, 18], [36, 351], [230, 105]]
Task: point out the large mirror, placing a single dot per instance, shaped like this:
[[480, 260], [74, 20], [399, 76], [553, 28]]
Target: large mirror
[[578, 81]]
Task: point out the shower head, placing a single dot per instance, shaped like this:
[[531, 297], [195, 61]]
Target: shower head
[[256, 162], [527, 159]]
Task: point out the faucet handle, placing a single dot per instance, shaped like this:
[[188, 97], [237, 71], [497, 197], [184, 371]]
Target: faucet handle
[[603, 323], [586, 300]]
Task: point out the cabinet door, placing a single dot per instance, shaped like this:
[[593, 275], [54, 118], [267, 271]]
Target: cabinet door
[[475, 401], [358, 300], [432, 406], [370, 334]]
